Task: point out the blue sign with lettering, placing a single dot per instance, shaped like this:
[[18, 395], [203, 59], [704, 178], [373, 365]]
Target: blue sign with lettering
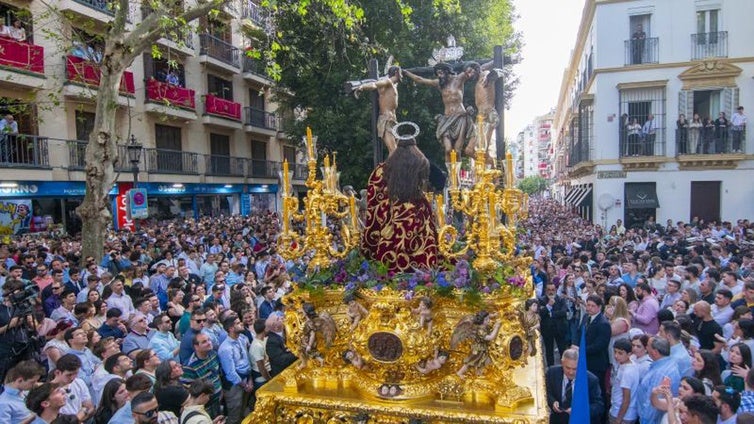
[[47, 189], [137, 203]]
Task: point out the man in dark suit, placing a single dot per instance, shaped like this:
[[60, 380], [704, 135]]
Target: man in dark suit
[[598, 332], [280, 357], [552, 317], [559, 380]]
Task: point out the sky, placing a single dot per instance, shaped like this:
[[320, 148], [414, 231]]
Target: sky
[[549, 30]]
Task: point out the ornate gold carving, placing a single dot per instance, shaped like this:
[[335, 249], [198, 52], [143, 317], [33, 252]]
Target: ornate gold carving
[[387, 386]]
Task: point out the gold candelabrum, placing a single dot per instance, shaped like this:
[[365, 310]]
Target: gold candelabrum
[[323, 200], [488, 235]]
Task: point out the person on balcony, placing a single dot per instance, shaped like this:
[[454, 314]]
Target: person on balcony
[[638, 40], [648, 132], [172, 78], [682, 129], [738, 120], [634, 138], [721, 132], [17, 31], [695, 133], [708, 136], [8, 132], [4, 30]]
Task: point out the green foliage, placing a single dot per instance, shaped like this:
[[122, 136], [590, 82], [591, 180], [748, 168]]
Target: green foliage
[[317, 46], [532, 185]]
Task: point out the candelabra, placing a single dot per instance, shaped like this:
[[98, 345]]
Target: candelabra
[[323, 200], [490, 238]]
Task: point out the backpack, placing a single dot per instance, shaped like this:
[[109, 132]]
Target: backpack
[[189, 416]]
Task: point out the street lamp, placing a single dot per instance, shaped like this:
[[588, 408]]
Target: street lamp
[[134, 156]]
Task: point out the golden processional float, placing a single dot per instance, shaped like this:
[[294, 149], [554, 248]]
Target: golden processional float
[[446, 346]]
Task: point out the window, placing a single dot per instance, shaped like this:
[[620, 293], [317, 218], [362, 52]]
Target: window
[[8, 15], [289, 154], [707, 21], [642, 124], [258, 150], [709, 40], [219, 145], [220, 87], [84, 125], [167, 137], [164, 70], [256, 99], [641, 47]]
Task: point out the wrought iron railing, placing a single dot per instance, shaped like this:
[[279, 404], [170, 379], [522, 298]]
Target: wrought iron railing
[[165, 161], [709, 44], [219, 49], [260, 119], [638, 143], [77, 156], [24, 151], [710, 139], [260, 168], [225, 165], [639, 51]]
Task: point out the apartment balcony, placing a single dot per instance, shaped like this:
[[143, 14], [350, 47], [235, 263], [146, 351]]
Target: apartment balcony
[[21, 64], [96, 11], [165, 161], [219, 54], [221, 112], [260, 168], [24, 151], [77, 156], [709, 44], [710, 147], [252, 14], [229, 166], [253, 71], [171, 100], [639, 52], [642, 151], [83, 78], [259, 121]]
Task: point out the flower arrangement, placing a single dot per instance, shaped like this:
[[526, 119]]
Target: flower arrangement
[[449, 279]]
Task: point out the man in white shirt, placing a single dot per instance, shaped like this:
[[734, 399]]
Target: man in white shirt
[[260, 363], [623, 402], [648, 132], [721, 310], [121, 301], [78, 399], [738, 122]]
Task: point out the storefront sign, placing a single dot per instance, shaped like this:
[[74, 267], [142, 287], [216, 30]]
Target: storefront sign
[[47, 189], [641, 196], [122, 219], [137, 203], [15, 216], [611, 174], [245, 204]]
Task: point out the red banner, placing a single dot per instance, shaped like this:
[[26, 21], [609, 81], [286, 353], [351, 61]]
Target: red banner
[[121, 208], [86, 72], [173, 94], [22, 55], [225, 108]]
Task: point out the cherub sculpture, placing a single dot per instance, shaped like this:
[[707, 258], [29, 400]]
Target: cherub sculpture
[[356, 312], [530, 321], [316, 327], [478, 330], [425, 313], [429, 365], [352, 357]]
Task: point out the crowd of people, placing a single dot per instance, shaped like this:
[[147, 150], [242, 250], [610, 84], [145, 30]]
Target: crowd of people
[[182, 321], [667, 311]]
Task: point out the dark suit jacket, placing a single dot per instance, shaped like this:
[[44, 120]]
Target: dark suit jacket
[[553, 322], [597, 341], [554, 384], [280, 356]]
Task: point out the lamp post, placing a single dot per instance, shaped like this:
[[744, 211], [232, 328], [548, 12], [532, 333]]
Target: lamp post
[[134, 156]]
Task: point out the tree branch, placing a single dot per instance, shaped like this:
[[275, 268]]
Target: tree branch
[[121, 16]]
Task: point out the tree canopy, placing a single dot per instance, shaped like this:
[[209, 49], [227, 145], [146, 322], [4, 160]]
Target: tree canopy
[[317, 46]]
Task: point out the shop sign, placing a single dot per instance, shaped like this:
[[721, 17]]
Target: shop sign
[[15, 216], [123, 221], [611, 174], [48, 188]]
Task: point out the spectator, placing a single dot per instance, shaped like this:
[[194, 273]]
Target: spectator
[[707, 369], [624, 385], [739, 362], [147, 362], [21, 378], [137, 338], [234, 359], [144, 408], [645, 317], [260, 362], [46, 401], [671, 331], [559, 380], [198, 318], [170, 393], [114, 397], [200, 394], [204, 365], [662, 370], [279, 355], [78, 398], [163, 342], [113, 327], [132, 411], [552, 314]]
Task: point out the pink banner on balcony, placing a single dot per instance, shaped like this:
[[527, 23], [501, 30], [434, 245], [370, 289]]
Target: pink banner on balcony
[[22, 55], [86, 72], [173, 94], [221, 107]]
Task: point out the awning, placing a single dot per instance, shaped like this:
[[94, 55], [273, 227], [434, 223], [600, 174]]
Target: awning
[[582, 195], [641, 195], [572, 193]]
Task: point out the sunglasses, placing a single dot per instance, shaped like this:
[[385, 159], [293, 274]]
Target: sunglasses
[[200, 320], [149, 414], [57, 288]]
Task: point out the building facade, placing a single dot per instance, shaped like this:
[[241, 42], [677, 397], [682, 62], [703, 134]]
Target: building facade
[[212, 136], [638, 66]]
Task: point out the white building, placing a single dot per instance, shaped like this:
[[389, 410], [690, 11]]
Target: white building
[[638, 59]]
